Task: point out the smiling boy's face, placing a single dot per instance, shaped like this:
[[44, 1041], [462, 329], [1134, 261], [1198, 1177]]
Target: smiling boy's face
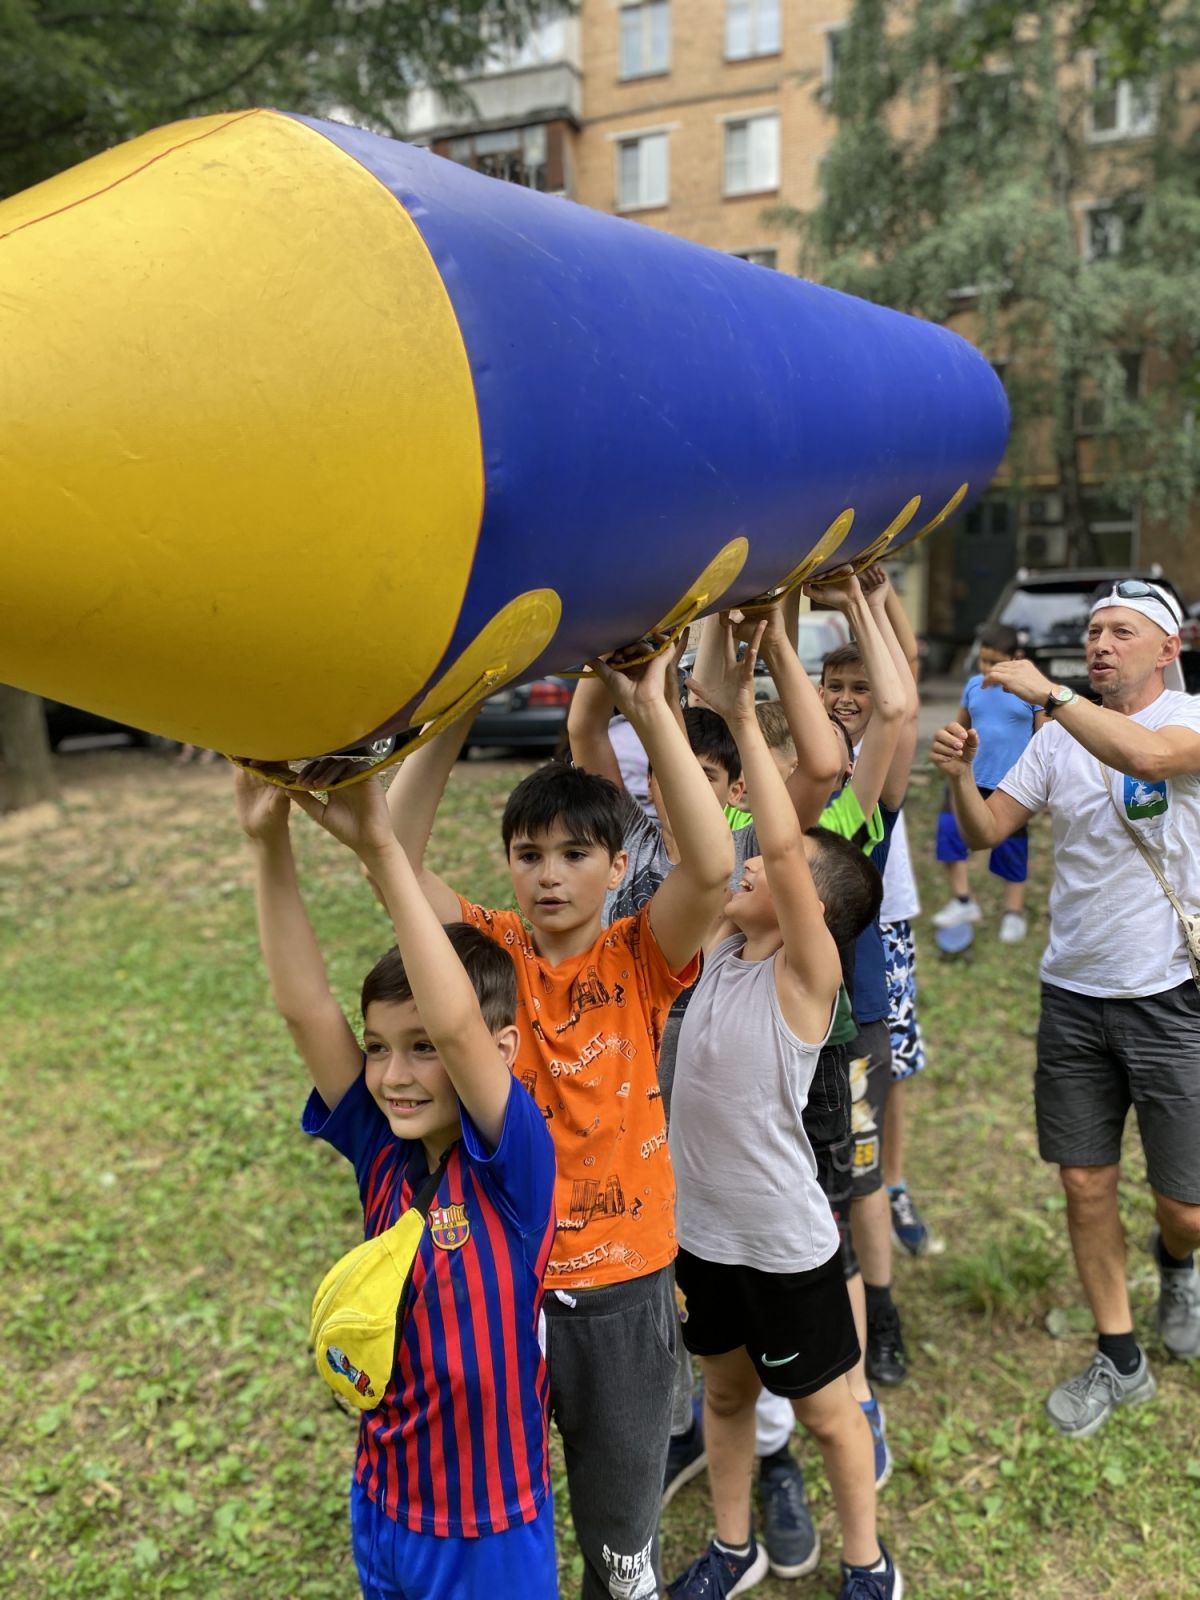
[[846, 696], [404, 1072]]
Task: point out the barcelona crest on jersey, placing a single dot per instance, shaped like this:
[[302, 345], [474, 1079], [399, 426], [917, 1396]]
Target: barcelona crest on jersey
[[448, 1227]]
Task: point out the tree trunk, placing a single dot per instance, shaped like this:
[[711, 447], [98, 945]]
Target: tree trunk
[[26, 770], [1081, 541]]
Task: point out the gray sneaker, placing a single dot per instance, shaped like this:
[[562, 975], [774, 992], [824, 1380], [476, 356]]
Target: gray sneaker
[[1083, 1404], [1179, 1311]]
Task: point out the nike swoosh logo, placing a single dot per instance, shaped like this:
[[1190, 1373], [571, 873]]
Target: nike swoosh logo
[[782, 1362]]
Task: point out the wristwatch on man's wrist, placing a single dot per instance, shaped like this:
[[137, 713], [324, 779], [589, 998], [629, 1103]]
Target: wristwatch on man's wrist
[[1058, 697]]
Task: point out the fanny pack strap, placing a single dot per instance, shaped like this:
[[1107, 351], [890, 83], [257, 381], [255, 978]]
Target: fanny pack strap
[[420, 1202], [1191, 933]]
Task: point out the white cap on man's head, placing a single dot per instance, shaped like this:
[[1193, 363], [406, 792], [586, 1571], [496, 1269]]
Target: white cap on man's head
[[1148, 599]]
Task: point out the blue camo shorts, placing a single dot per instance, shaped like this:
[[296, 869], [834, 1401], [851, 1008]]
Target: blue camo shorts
[[900, 957]]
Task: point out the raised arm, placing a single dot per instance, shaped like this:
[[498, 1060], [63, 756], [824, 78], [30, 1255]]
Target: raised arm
[[587, 728], [888, 697], [810, 973], [820, 753], [477, 1063], [299, 982], [982, 823], [1151, 754], [413, 801], [690, 898], [897, 635]]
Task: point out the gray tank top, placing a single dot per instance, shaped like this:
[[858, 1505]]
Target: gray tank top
[[746, 1177]]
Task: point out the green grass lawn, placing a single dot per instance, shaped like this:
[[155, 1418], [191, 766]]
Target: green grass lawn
[[164, 1222]]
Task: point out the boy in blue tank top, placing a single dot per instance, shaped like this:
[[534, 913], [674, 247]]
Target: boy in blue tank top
[[1005, 724]]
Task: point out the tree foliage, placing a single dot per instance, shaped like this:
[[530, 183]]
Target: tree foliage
[[79, 75], [972, 137]]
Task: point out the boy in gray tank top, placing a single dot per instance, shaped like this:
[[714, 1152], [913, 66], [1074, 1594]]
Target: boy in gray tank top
[[758, 1265]]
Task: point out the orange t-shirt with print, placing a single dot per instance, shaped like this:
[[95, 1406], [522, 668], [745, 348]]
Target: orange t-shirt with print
[[590, 1032]]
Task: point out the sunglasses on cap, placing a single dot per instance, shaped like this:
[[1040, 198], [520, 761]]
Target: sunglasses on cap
[[1138, 589]]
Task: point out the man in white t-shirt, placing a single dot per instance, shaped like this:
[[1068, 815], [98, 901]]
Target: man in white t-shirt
[[1120, 1021]]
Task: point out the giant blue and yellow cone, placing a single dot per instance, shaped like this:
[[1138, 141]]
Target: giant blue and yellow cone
[[307, 434]]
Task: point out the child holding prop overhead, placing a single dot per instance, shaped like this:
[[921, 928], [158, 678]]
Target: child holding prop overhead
[[451, 1489], [759, 1263]]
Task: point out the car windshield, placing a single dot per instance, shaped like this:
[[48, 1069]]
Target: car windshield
[[1049, 615]]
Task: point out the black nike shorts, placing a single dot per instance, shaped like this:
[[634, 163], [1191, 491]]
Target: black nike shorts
[[797, 1327]]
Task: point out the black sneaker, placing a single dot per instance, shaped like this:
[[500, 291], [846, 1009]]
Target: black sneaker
[[686, 1456], [885, 1347], [792, 1543]]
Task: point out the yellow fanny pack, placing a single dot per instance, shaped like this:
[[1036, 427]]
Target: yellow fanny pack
[[358, 1311]]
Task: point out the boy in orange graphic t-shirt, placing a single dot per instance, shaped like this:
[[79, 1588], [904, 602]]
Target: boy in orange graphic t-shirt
[[592, 1002]]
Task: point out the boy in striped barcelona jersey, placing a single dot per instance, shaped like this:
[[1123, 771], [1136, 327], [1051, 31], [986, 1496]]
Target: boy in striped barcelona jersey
[[593, 1002], [450, 1498]]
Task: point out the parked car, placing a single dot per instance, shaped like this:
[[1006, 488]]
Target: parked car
[[1050, 610], [820, 632], [531, 718], [64, 722]]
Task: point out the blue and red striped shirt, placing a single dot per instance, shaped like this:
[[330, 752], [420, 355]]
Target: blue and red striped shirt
[[457, 1446]]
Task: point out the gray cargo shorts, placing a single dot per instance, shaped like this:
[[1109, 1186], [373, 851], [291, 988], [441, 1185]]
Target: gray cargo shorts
[[1096, 1058]]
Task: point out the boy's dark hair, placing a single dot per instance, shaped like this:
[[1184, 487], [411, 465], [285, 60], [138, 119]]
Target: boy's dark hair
[[709, 735], [846, 655], [588, 807], [1000, 637], [848, 884], [490, 969]]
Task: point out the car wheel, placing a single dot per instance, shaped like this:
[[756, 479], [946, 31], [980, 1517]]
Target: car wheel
[[380, 749]]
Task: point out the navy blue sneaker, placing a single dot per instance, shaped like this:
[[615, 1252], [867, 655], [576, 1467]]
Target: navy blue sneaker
[[873, 1412], [719, 1575], [909, 1228], [792, 1543], [686, 1457], [862, 1583]]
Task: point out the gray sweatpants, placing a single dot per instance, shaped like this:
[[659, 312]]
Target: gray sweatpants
[[611, 1359]]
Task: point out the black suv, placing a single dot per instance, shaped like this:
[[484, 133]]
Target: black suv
[[1050, 610]]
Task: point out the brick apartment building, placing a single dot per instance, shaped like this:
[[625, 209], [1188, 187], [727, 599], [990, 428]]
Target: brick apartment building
[[701, 116]]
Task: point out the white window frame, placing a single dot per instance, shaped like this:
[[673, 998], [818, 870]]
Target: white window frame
[[646, 67], [758, 14], [1123, 217], [1131, 120], [645, 200], [755, 256], [766, 182]]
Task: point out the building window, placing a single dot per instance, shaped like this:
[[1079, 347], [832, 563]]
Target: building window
[[835, 43], [645, 38], [1094, 410], [1122, 108], [517, 155], [759, 258], [642, 172], [752, 155], [1114, 530], [751, 28], [1107, 230]]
